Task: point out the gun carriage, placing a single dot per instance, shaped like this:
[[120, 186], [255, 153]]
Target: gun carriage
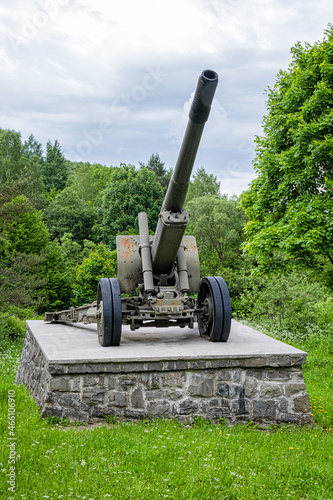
[[163, 269]]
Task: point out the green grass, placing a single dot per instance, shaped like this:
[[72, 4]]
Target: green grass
[[318, 375], [166, 459]]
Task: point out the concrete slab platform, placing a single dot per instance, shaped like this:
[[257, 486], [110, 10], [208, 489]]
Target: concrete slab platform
[[164, 373], [78, 343]]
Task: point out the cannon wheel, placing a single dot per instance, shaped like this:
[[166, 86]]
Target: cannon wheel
[[215, 321], [226, 309], [109, 312]]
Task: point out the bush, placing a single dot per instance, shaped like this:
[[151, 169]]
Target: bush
[[11, 327], [324, 310], [292, 303], [101, 263], [56, 294]]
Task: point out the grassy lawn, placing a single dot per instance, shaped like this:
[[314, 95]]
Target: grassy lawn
[[165, 459]]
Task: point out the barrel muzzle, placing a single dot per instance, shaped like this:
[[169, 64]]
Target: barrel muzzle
[[203, 97]]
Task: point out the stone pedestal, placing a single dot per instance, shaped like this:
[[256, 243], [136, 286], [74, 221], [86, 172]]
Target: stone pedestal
[[168, 373]]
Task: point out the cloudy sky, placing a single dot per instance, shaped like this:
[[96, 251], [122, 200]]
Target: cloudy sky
[[112, 81]]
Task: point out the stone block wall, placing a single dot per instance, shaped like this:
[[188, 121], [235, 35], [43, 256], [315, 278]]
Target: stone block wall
[[266, 389]]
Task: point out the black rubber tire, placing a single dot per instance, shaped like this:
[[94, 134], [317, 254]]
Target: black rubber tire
[[109, 309], [226, 324], [209, 297], [117, 316]]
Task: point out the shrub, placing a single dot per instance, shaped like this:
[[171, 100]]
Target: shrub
[[11, 327], [101, 263], [292, 302]]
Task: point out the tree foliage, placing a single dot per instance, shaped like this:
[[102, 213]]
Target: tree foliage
[[23, 226], [217, 223], [32, 147], [72, 251], [101, 263], [156, 165], [56, 272], [19, 171], [54, 167], [294, 302], [130, 192], [89, 180], [202, 184], [11, 158], [68, 213], [19, 281], [290, 203]]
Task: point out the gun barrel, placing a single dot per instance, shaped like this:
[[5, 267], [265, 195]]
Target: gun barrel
[[173, 220], [199, 112]]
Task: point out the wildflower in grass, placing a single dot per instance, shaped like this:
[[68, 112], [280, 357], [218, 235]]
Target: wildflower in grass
[[83, 463]]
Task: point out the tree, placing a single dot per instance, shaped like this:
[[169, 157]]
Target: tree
[[23, 227], [30, 182], [89, 180], [54, 167], [23, 237], [58, 270], [68, 213], [130, 192], [217, 223], [157, 166], [19, 280], [72, 252], [290, 203], [202, 183], [57, 274], [11, 158], [19, 173], [32, 147]]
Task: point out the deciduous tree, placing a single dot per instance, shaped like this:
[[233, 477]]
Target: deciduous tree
[[23, 227], [202, 183], [89, 180], [68, 213], [131, 191], [217, 223], [11, 158], [290, 203]]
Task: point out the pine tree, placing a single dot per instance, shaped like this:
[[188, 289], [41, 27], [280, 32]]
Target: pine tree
[[54, 167]]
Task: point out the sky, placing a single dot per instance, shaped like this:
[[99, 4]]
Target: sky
[[113, 81]]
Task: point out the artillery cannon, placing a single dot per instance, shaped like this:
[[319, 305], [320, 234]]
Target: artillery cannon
[[164, 268]]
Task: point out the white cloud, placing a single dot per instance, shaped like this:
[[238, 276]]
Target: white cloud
[[235, 182], [112, 81]]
